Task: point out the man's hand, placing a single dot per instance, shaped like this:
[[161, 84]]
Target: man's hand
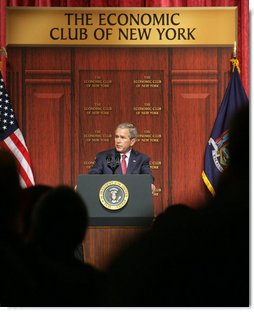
[[153, 188]]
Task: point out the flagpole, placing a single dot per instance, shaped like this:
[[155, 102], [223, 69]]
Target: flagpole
[[234, 51], [234, 60]]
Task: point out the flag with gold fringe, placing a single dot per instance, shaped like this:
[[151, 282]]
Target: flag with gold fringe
[[216, 153]]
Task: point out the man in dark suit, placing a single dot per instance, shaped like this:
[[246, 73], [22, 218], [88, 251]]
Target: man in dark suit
[[123, 159]]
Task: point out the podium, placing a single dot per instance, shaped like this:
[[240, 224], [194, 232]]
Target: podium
[[117, 200]]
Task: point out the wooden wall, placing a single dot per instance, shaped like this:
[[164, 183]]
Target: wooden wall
[[69, 100]]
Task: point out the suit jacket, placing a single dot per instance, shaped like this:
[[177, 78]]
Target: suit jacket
[[138, 163]]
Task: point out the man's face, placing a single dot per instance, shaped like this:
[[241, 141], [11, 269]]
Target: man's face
[[123, 143]]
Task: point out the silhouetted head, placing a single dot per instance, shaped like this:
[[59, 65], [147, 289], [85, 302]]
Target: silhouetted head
[[59, 221], [9, 188], [239, 143], [234, 182], [29, 197]]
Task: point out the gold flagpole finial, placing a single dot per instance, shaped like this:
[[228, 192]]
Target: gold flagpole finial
[[2, 52], [234, 60]]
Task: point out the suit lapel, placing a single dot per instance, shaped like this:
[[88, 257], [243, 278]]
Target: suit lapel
[[132, 162], [118, 169]]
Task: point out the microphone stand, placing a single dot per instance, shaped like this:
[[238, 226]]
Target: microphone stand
[[113, 164]]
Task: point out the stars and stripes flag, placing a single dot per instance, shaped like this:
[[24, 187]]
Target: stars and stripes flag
[[11, 138], [216, 153]]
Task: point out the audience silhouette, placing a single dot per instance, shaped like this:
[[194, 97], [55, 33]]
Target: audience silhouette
[[59, 223], [40, 229], [188, 258], [17, 286], [29, 197], [194, 257], [10, 190]]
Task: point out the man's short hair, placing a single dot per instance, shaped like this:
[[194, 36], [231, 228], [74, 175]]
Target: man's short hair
[[132, 129]]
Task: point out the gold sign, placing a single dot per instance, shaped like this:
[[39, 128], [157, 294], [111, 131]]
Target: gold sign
[[178, 26]]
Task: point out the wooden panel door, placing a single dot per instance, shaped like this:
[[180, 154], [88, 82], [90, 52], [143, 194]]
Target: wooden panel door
[[49, 131], [48, 114], [198, 78]]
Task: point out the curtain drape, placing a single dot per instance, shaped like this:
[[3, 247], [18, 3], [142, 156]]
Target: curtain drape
[[243, 19]]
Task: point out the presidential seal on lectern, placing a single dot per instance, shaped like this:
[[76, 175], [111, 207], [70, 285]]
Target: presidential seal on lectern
[[113, 195]]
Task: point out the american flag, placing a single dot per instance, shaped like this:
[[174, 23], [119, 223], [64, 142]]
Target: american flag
[[11, 138]]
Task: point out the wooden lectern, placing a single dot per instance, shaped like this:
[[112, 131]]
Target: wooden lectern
[[120, 207]]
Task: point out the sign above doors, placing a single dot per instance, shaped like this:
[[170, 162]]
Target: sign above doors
[[93, 26]]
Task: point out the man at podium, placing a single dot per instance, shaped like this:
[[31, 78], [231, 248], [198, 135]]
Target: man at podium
[[123, 159]]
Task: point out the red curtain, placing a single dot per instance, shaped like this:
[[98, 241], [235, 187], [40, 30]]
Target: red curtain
[[243, 18]]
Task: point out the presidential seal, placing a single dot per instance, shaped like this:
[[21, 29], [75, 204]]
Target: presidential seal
[[113, 195]]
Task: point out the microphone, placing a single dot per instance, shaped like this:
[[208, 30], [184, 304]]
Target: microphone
[[113, 164], [117, 159], [109, 161]]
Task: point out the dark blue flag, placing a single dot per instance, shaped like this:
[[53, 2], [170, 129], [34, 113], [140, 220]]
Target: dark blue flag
[[216, 153]]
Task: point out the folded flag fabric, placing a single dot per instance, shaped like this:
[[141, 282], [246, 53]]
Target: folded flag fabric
[[216, 153]]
